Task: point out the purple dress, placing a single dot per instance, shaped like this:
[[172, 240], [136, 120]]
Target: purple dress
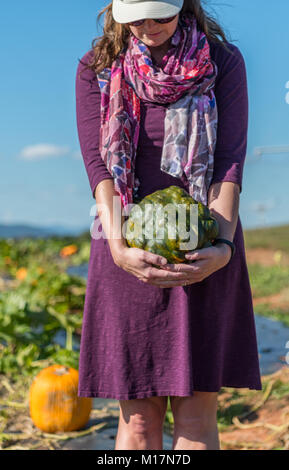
[[140, 340]]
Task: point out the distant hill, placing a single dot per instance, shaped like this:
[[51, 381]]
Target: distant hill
[[22, 231]]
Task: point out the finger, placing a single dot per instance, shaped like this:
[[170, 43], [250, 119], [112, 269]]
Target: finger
[[162, 274], [187, 281], [199, 254], [185, 268], [191, 257], [151, 258]]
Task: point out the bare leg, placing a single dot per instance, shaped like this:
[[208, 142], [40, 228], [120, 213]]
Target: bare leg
[[195, 421], [140, 424]]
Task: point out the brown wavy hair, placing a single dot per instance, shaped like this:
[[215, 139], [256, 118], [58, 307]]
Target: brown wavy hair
[[115, 35]]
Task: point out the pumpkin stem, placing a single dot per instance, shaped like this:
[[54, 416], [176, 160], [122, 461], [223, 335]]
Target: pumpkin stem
[[61, 370], [69, 333]]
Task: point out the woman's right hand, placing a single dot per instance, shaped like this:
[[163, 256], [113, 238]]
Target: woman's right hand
[[140, 263]]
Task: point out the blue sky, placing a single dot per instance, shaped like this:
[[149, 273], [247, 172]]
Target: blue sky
[[43, 179]]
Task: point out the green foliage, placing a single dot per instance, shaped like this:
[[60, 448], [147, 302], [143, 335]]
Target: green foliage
[[17, 359], [274, 238], [266, 310], [226, 415], [65, 357], [280, 389], [15, 253], [267, 280], [82, 255], [20, 252], [44, 301], [28, 329]]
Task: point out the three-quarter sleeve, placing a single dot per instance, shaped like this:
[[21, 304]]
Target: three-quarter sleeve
[[232, 103], [88, 123]]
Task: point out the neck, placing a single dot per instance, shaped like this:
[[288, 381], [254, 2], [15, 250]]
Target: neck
[[161, 49]]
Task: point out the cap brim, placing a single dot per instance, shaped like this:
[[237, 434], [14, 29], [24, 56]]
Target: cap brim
[[126, 12]]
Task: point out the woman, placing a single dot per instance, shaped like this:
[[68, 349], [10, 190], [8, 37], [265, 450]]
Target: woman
[[152, 331]]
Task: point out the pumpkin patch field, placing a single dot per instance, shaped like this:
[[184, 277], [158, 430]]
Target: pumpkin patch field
[[41, 308]]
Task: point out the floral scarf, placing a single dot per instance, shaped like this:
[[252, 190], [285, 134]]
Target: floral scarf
[[186, 84]]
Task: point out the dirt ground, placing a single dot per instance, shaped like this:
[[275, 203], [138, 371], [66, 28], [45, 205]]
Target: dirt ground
[[266, 257], [265, 426]]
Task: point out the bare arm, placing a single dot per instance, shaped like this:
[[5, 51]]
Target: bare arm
[[112, 223], [223, 202]]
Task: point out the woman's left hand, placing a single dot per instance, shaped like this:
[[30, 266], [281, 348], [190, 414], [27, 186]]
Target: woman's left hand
[[202, 263]]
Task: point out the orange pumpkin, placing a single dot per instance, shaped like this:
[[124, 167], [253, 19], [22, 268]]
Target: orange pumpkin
[[21, 274], [68, 250], [53, 401]]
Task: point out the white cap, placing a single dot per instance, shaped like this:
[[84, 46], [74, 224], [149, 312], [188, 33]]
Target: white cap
[[124, 11]]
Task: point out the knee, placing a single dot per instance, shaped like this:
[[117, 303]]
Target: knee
[[145, 423], [196, 420], [199, 424], [143, 418]]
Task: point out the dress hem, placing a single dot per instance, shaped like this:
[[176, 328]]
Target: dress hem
[[150, 393]]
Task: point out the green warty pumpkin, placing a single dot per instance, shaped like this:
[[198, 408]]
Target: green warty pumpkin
[[141, 219]]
